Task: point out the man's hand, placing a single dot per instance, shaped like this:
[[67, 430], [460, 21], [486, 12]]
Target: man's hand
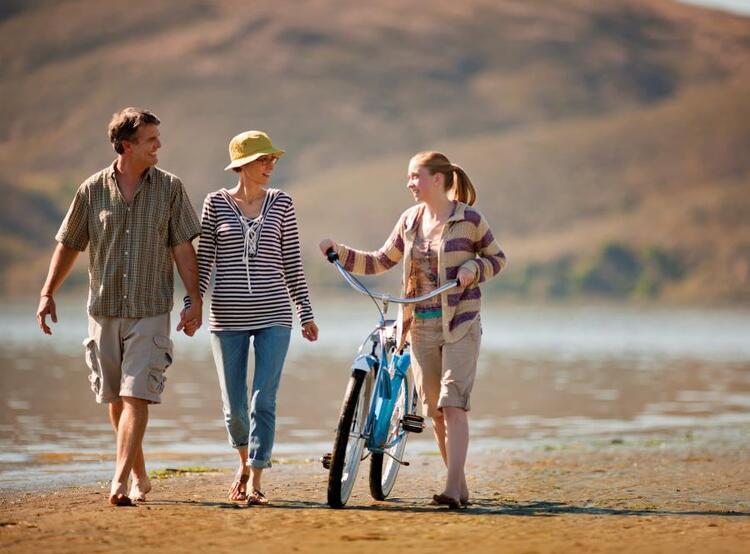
[[62, 262], [310, 331], [46, 306], [191, 318], [465, 277]]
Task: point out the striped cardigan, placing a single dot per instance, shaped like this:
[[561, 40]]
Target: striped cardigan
[[467, 241]]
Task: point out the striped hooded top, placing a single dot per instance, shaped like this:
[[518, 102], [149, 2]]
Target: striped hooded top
[[258, 269]]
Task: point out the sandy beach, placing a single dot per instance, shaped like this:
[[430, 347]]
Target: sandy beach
[[675, 494]]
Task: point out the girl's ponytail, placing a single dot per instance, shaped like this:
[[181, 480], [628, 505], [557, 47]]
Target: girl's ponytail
[[457, 183], [463, 189]]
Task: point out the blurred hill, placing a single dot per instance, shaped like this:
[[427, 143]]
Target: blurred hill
[[609, 140]]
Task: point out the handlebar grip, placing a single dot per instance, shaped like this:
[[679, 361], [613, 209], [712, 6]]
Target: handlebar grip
[[331, 255]]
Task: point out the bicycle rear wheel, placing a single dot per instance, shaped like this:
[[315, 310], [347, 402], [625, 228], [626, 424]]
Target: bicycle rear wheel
[[348, 444], [383, 468]]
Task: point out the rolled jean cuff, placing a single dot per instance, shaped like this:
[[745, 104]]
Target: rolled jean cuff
[[259, 464]]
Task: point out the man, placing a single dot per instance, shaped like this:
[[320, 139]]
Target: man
[[134, 218]]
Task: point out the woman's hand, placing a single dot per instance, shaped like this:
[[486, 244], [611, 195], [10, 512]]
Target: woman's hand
[[327, 244], [189, 323], [465, 277], [310, 331]]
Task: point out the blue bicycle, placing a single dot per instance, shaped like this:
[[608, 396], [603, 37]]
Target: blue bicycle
[[379, 408]]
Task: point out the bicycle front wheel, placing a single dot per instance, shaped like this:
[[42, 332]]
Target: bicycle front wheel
[[349, 442], [383, 467]]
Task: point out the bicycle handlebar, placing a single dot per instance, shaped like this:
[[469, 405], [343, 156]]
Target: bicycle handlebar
[[333, 257]]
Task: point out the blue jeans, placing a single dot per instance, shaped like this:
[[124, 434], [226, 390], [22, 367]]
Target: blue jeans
[[230, 349]]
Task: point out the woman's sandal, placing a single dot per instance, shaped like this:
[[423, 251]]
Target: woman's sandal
[[240, 479], [445, 500], [256, 498]]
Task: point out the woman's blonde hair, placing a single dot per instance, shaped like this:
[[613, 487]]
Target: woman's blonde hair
[[457, 183]]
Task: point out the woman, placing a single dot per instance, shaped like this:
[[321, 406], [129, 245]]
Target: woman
[[249, 234], [441, 238]]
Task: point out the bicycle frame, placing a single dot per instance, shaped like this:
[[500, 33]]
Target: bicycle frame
[[390, 367], [378, 409]]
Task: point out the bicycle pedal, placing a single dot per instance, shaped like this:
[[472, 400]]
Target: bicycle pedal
[[326, 460], [413, 423]]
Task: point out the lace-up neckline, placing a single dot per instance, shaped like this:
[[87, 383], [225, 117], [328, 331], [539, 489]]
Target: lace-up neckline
[[251, 229]]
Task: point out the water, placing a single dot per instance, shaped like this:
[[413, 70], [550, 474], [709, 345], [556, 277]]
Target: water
[[740, 7], [545, 375]]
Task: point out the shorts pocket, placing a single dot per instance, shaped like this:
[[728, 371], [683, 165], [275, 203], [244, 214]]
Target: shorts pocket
[[92, 361], [161, 359]]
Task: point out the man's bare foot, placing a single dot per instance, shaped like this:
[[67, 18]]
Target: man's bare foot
[[120, 500], [117, 496], [140, 489]]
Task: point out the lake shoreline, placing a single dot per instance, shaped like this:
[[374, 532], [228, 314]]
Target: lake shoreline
[[45, 471], [687, 495]]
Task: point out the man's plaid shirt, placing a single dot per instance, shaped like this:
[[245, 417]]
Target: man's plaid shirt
[[130, 258]]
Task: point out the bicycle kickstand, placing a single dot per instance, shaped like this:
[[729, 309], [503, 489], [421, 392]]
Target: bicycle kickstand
[[403, 463]]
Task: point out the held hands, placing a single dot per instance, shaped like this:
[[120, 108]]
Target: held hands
[[465, 277], [191, 318], [327, 244], [46, 306], [310, 331]]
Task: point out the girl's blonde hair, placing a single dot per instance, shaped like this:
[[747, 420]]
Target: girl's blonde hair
[[457, 183]]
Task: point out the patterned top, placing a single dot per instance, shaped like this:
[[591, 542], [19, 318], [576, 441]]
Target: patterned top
[[130, 259], [467, 241], [424, 269], [258, 264]]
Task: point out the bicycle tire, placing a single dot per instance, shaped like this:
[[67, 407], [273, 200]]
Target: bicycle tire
[[347, 452], [383, 468]]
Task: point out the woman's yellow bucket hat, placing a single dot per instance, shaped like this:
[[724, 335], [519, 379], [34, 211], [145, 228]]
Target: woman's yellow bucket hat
[[249, 146]]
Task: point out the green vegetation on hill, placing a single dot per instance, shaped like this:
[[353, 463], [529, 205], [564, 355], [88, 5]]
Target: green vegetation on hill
[[615, 271]]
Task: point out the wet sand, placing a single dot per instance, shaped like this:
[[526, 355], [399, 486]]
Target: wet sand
[[629, 440], [677, 494]]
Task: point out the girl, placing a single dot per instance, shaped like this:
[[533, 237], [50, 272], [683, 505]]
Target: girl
[[441, 238]]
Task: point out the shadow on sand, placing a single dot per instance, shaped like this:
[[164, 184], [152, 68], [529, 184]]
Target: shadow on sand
[[479, 506]]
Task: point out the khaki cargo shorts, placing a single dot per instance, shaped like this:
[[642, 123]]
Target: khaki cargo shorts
[[443, 372], [128, 357]]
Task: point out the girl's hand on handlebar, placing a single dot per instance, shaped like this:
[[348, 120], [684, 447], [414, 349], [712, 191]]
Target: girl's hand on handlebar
[[327, 244], [465, 277]]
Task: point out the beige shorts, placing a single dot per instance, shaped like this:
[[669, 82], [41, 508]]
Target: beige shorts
[[443, 372], [128, 357]]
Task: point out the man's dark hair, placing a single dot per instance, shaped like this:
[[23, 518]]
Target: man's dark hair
[[124, 125]]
